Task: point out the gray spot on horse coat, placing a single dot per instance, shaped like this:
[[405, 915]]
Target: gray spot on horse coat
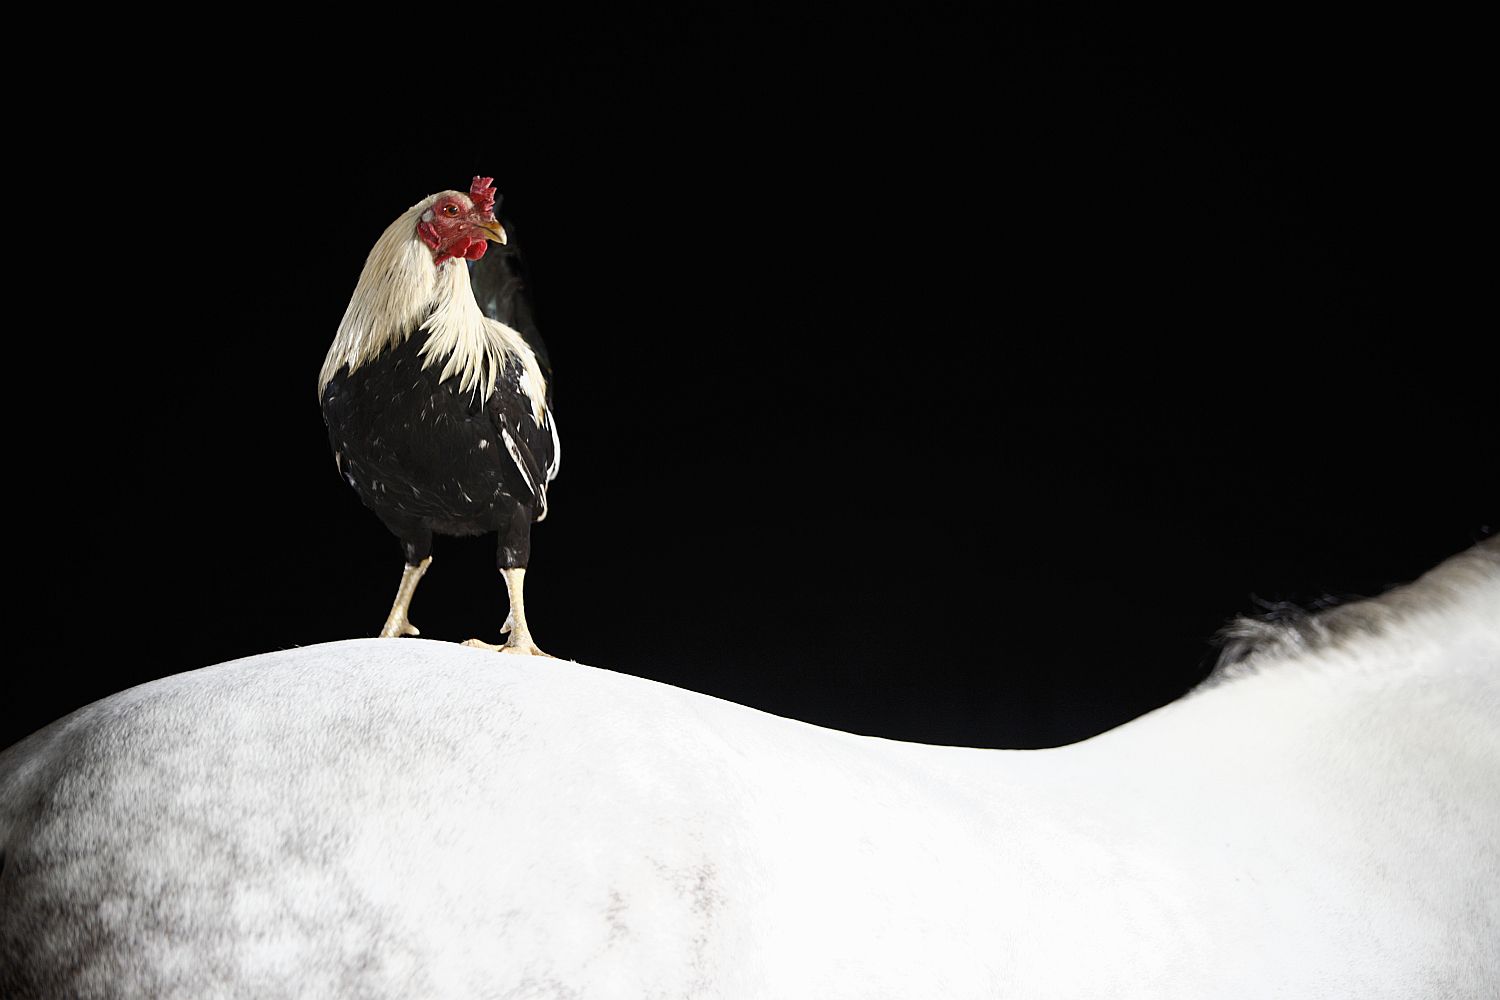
[[614, 915]]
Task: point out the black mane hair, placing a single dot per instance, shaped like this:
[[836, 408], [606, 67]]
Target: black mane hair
[[1284, 630]]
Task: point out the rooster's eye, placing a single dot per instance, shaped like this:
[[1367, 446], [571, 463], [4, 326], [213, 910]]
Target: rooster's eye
[[450, 210]]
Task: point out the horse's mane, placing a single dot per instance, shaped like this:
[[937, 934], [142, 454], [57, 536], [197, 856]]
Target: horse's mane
[[1287, 630]]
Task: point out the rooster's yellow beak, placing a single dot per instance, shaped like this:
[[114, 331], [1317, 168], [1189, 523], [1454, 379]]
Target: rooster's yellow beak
[[492, 231]]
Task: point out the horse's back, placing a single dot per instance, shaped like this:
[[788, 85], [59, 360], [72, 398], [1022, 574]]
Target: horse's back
[[356, 820], [382, 819]]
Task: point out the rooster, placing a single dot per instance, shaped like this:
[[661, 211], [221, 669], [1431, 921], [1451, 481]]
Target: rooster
[[437, 395]]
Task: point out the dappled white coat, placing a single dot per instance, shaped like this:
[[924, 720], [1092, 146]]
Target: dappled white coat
[[412, 819]]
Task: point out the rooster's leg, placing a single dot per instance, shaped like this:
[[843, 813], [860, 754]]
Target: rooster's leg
[[519, 639], [396, 623]]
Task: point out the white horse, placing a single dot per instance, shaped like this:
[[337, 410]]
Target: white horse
[[374, 819]]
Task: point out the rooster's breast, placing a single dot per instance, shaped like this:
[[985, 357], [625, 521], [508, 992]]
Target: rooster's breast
[[418, 447]]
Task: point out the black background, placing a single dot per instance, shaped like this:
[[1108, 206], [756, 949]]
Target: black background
[[942, 377]]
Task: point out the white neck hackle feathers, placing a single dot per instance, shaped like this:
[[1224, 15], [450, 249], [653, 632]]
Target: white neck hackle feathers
[[400, 291]]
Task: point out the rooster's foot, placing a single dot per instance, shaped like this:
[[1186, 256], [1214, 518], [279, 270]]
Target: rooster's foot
[[520, 645]]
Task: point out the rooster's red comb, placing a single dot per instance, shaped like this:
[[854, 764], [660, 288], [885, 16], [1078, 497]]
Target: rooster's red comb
[[483, 194]]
